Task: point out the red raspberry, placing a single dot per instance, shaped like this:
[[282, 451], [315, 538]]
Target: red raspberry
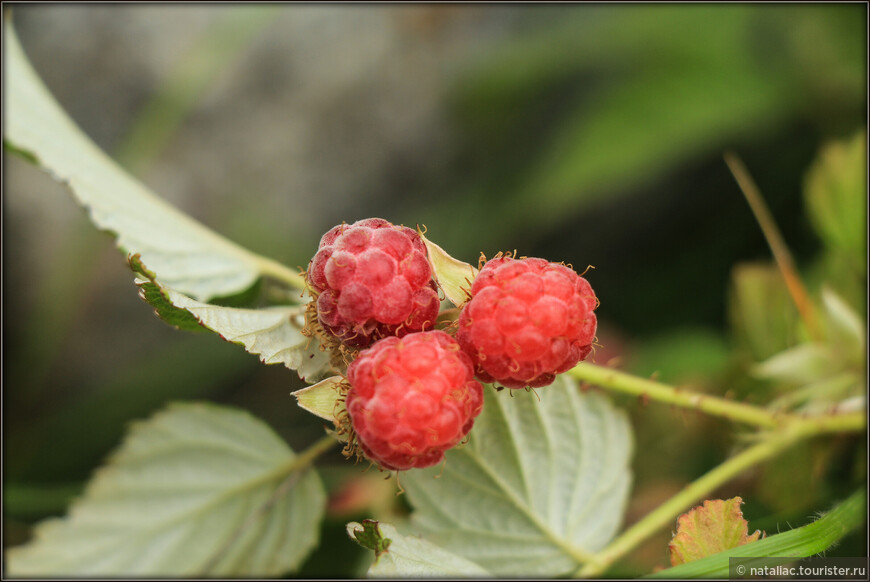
[[372, 280], [527, 320], [411, 399]]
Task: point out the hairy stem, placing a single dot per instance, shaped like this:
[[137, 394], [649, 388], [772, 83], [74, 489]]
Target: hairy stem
[[693, 492], [772, 444], [622, 382]]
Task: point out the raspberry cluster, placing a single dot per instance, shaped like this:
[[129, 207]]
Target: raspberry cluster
[[411, 399], [372, 280], [413, 392], [527, 320]]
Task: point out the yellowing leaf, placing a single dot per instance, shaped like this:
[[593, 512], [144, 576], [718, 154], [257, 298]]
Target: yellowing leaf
[[321, 399], [453, 275], [708, 529]]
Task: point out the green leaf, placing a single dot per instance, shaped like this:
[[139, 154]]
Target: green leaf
[[708, 529], [275, 334], [540, 486], [187, 256], [322, 399], [800, 364], [368, 535], [400, 556], [845, 327], [453, 276], [835, 192], [761, 311], [801, 542], [197, 490]]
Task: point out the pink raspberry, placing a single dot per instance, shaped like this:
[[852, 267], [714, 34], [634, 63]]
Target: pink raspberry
[[527, 320], [372, 280], [411, 399]]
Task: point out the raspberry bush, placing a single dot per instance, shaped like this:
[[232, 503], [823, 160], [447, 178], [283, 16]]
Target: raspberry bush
[[404, 349]]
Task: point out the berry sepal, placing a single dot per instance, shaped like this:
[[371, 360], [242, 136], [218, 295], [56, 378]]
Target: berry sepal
[[452, 275], [324, 399]]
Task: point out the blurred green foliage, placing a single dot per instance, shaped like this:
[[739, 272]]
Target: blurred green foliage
[[594, 135]]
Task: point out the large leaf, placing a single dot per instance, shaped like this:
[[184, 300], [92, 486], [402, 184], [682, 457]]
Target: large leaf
[[540, 486], [196, 490], [401, 556], [187, 256], [274, 334]]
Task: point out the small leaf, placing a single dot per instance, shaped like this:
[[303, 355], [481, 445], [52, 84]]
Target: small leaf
[[846, 327], [835, 191], [368, 535], [801, 542], [322, 399], [540, 486], [197, 490], [275, 334], [801, 364], [189, 257], [401, 556], [454, 276], [709, 529]]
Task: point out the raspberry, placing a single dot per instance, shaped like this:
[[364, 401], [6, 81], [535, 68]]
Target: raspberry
[[527, 320], [411, 399], [372, 280]]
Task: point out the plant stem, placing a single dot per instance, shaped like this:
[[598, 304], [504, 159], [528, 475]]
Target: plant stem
[[796, 429], [309, 455], [780, 251], [281, 272], [695, 491], [622, 382]]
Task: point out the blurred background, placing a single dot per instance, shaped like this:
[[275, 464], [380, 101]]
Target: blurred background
[[590, 134]]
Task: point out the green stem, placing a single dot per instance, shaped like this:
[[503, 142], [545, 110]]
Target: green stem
[[309, 455], [693, 492], [622, 382], [281, 272]]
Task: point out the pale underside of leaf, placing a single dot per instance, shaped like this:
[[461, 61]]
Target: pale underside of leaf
[[540, 486], [801, 542], [322, 399], [453, 276], [187, 256], [184, 496], [274, 334], [413, 557]]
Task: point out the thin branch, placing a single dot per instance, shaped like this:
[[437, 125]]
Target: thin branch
[[664, 514], [713, 405], [781, 254]]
